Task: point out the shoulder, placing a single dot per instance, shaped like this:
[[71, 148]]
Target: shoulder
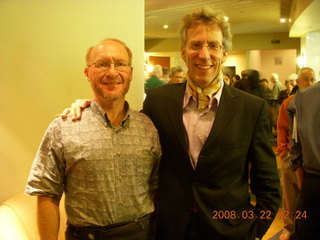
[[286, 102], [166, 91], [237, 93], [68, 122], [239, 99], [142, 119]]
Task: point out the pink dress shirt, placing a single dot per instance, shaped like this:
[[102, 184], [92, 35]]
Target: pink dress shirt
[[198, 123]]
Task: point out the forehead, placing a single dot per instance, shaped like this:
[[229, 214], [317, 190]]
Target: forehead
[[202, 32], [109, 49]]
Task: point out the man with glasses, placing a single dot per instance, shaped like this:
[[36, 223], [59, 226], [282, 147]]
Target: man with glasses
[[215, 143], [106, 164]]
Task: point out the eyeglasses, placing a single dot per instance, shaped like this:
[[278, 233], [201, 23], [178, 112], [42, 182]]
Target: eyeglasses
[[103, 66], [212, 47]]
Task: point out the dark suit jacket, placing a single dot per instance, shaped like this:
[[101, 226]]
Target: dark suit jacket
[[239, 136]]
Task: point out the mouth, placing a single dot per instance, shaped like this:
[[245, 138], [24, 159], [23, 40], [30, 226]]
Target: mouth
[[204, 67], [111, 83]]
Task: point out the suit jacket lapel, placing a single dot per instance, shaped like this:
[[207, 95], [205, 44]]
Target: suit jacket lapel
[[227, 108], [174, 106]]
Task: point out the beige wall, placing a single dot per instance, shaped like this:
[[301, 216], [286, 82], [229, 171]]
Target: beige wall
[[42, 49], [269, 66], [237, 59]]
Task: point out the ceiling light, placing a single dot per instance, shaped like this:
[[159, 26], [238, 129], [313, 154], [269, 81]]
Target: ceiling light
[[165, 26], [283, 20], [226, 18]]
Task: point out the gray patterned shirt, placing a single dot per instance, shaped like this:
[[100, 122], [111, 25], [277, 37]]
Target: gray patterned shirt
[[106, 174]]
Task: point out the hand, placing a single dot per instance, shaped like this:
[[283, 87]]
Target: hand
[[75, 111]]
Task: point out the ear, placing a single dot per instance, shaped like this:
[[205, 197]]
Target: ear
[[183, 53], [86, 72], [224, 57], [131, 74]]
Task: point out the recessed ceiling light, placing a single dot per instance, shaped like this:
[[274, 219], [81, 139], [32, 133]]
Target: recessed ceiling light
[[283, 20], [226, 18], [165, 26]]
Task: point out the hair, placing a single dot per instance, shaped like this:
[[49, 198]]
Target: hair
[[106, 40], [293, 76], [174, 70], [275, 76], [208, 17], [157, 69], [253, 79], [244, 73]]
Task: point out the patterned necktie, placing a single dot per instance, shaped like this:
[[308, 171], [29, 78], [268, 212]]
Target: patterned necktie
[[203, 96]]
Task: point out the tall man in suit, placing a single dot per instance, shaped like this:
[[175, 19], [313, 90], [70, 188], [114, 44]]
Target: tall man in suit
[[215, 144], [210, 134]]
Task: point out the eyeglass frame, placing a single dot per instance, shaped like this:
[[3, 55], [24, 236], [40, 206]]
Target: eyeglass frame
[[115, 63], [216, 48]]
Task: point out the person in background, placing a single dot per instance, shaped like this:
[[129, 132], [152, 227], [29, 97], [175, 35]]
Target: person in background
[[165, 75], [264, 84], [253, 84], [177, 75], [226, 79], [274, 104], [293, 80], [304, 115], [290, 190], [106, 164], [154, 80], [235, 78], [277, 86], [285, 93], [242, 83], [210, 133], [244, 73]]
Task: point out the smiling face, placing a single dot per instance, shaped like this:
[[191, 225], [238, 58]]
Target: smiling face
[[109, 84], [204, 65]]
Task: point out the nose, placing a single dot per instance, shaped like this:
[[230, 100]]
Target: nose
[[111, 71], [204, 53]]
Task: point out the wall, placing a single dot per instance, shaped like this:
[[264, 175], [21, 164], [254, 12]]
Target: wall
[[43, 45], [269, 66], [237, 59]]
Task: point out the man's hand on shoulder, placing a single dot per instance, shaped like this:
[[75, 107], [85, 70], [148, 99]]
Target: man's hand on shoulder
[[75, 111]]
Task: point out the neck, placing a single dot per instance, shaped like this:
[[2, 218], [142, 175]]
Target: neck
[[114, 109], [204, 85]]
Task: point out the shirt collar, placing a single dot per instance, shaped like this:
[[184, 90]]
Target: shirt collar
[[188, 95], [103, 117]]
